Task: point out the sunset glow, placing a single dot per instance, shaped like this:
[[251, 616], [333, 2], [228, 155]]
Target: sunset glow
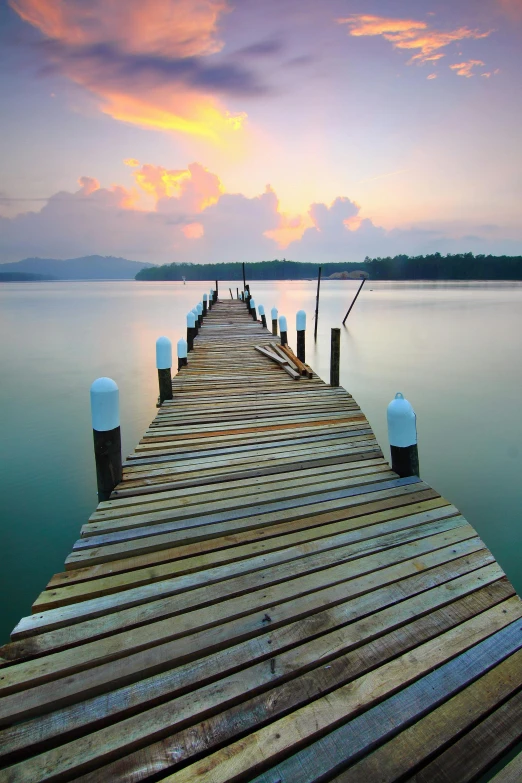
[[379, 132]]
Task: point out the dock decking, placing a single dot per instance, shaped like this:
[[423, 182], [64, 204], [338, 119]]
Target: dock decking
[[264, 600]]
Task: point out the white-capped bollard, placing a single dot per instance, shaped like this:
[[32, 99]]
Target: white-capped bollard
[[300, 325], [105, 415], [182, 353], [283, 329], [164, 366], [196, 316], [199, 308], [402, 435], [253, 309], [204, 305], [191, 330], [211, 299], [261, 311], [274, 320]]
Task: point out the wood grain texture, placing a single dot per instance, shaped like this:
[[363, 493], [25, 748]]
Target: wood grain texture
[[262, 598]]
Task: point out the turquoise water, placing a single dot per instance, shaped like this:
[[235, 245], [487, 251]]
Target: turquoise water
[[452, 349]]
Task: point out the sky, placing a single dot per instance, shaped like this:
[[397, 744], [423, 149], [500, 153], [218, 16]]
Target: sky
[[228, 130]]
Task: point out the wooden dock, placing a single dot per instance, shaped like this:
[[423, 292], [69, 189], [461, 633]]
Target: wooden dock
[[264, 600]]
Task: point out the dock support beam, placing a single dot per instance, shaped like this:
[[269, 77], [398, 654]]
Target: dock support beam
[[262, 315], [164, 365], [300, 325], [283, 328], [105, 414], [182, 353], [402, 434], [335, 355], [253, 310]]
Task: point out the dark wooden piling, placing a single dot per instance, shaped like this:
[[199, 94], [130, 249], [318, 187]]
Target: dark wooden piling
[[335, 354], [301, 342], [165, 384], [107, 454], [317, 301]]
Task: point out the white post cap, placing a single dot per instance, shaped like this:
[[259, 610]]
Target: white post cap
[[195, 311], [105, 405], [211, 290], [163, 353], [182, 348], [199, 308], [261, 310], [274, 313], [300, 320], [252, 304], [402, 422], [191, 320], [282, 323], [205, 297]]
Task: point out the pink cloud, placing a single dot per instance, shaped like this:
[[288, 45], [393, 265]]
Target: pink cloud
[[466, 68], [409, 34], [144, 61]]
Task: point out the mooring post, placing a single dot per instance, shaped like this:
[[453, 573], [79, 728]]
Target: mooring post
[[335, 354], [204, 305], [196, 316], [244, 278], [300, 325], [253, 310], [247, 298], [242, 296], [231, 294], [261, 311], [164, 365], [182, 353], [105, 415], [199, 308], [274, 320], [283, 330], [237, 292], [191, 330], [402, 435], [211, 299], [317, 301], [216, 292]]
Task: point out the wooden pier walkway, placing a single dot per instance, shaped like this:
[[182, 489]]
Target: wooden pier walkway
[[264, 600]]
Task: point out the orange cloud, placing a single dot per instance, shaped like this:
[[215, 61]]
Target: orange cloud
[[409, 34], [141, 59], [196, 187], [132, 162], [193, 230], [168, 110], [466, 69]]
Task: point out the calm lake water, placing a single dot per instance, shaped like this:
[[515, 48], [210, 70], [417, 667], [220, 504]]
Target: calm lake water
[[452, 349]]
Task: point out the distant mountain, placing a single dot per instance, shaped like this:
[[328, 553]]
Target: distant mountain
[[86, 268]]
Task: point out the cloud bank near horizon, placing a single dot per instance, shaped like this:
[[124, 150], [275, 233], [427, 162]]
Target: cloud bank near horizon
[[192, 218]]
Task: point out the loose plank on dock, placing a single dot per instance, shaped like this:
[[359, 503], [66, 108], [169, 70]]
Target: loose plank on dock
[[263, 599]]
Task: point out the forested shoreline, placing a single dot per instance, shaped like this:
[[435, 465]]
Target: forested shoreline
[[462, 266]]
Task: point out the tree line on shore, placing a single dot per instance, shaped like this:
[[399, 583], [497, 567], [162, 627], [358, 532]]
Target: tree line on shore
[[456, 266]]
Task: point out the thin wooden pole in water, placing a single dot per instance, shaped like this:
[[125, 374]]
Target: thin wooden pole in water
[[317, 301], [354, 300], [244, 278]]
